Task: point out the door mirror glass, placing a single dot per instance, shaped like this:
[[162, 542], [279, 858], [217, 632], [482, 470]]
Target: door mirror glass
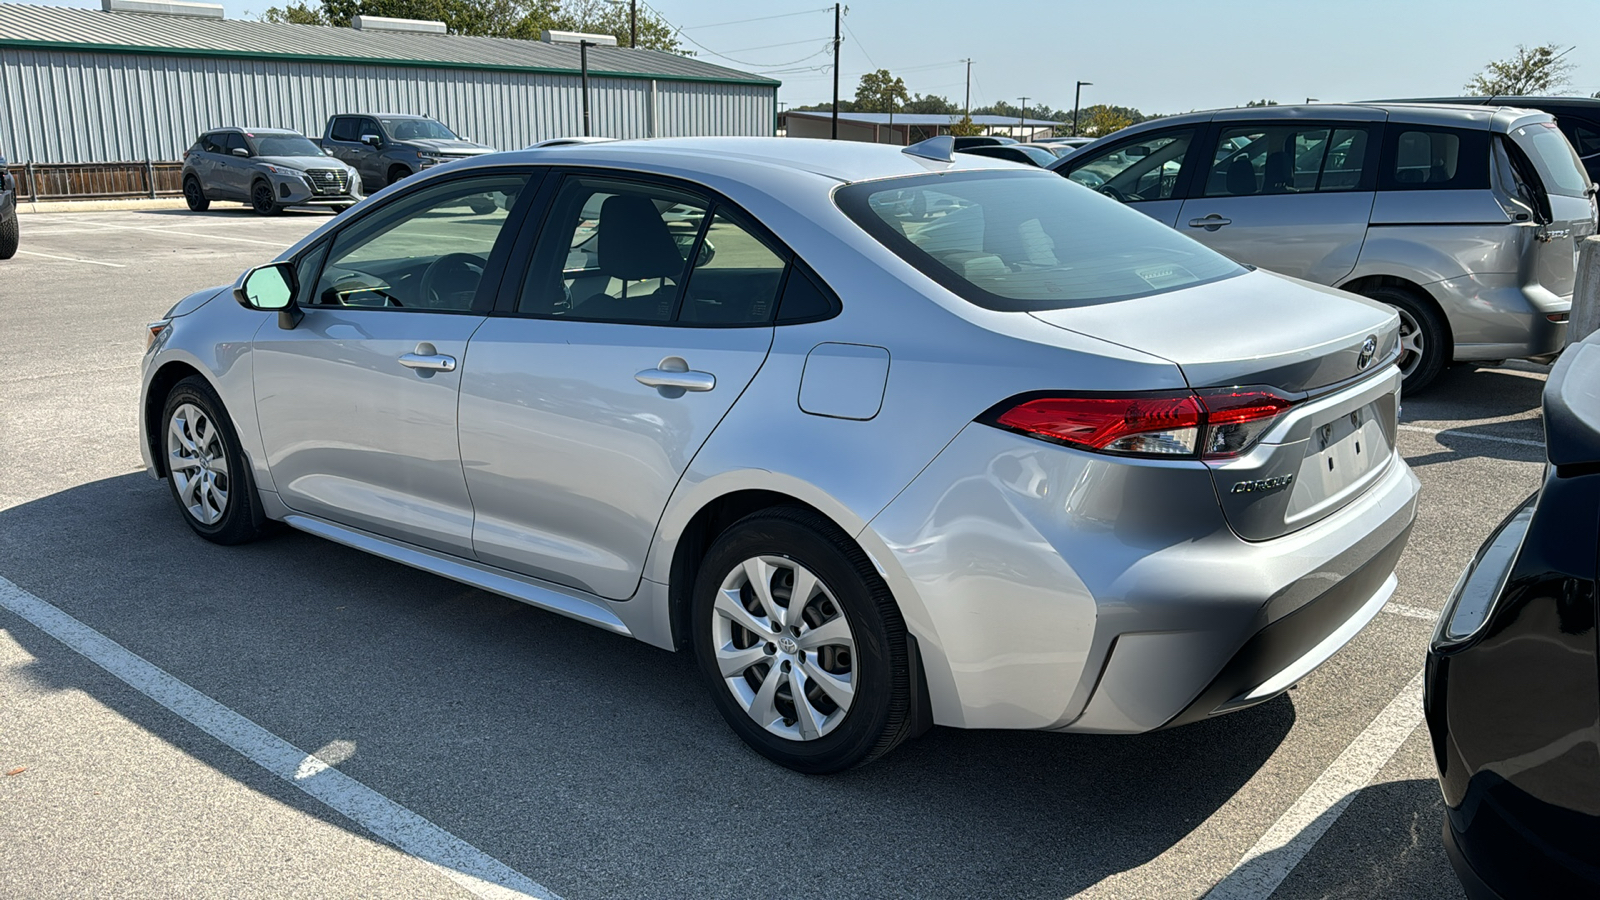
[[240, 151], [269, 288], [371, 140]]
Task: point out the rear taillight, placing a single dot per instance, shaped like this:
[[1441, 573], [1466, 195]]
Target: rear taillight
[[1213, 424]]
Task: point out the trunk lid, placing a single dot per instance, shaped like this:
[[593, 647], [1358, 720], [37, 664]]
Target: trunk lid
[[1330, 351]]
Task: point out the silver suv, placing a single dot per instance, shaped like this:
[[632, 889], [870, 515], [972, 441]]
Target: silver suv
[[266, 168], [1464, 219]]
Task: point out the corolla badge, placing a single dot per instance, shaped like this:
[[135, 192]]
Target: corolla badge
[[1369, 349], [1265, 484]]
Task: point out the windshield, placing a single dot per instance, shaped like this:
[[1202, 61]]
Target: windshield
[[417, 130], [1558, 165], [1020, 241], [283, 145]]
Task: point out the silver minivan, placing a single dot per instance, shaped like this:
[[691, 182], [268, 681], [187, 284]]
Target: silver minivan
[[1465, 219]]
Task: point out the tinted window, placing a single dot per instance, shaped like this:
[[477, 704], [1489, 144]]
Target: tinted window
[[735, 279], [1285, 159], [232, 141], [1418, 158], [1559, 168], [1019, 241], [1147, 169], [1585, 139], [614, 251], [284, 145], [344, 129], [805, 299], [366, 127], [213, 143], [426, 251]]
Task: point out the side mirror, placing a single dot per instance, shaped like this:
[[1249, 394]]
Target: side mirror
[[240, 151], [371, 140], [271, 288], [327, 151]]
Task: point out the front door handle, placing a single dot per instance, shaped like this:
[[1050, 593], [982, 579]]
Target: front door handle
[[1210, 223], [428, 359], [672, 376]]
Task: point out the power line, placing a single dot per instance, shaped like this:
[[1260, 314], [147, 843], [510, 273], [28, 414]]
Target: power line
[[805, 12], [770, 46], [850, 31]]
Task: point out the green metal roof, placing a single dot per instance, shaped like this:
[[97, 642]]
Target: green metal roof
[[65, 28]]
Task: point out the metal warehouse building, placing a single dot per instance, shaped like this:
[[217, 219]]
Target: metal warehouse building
[[82, 86]]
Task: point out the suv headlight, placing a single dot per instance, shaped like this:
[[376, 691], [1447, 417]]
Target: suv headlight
[[284, 170]]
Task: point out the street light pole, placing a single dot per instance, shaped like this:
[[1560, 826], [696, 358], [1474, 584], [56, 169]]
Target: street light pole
[[633, 25], [1077, 95], [583, 71], [968, 105], [835, 130], [1022, 114]]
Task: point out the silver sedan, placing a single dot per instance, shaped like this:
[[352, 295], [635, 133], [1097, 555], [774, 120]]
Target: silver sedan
[[885, 438]]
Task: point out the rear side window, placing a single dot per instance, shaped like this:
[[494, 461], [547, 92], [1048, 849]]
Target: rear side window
[[1421, 158], [1020, 241], [212, 143], [1559, 169], [1286, 159], [344, 129]]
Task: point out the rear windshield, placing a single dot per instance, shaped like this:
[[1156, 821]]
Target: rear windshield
[[1020, 241], [1558, 165]]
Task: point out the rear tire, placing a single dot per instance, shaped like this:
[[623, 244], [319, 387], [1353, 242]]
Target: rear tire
[[9, 236], [398, 174], [194, 195], [206, 469], [1424, 340], [842, 648], [263, 201]]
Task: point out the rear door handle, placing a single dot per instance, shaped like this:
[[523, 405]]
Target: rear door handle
[[1210, 223], [428, 359], [674, 374]]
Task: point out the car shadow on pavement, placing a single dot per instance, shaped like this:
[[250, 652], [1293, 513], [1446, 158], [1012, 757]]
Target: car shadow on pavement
[[235, 209], [1385, 844], [594, 764]]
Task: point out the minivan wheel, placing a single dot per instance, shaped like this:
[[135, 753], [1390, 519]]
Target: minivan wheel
[[263, 201], [1422, 336], [194, 195], [801, 644], [206, 470]]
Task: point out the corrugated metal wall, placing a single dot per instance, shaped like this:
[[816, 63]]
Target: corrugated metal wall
[[71, 107]]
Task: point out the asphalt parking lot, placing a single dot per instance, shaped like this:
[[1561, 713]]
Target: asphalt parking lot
[[593, 765]]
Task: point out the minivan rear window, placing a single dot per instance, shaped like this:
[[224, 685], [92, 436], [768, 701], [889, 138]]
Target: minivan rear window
[[1021, 241], [1559, 168], [1424, 158]]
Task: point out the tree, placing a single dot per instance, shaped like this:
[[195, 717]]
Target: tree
[[294, 14], [929, 104], [878, 92], [1540, 70], [525, 19], [1255, 103], [1100, 120], [965, 128]]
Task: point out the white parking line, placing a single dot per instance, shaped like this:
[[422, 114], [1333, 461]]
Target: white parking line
[[1410, 612], [168, 229], [466, 865], [1275, 855], [91, 262], [1437, 432]]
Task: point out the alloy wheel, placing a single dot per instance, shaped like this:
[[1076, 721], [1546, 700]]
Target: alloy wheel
[[784, 647], [1412, 343], [198, 462]]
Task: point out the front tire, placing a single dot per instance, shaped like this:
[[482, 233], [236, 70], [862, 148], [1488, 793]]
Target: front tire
[[9, 237], [398, 174], [801, 644], [1423, 341], [263, 201], [206, 469], [194, 195]]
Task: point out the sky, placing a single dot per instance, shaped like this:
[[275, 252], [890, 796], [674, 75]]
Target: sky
[[1158, 56]]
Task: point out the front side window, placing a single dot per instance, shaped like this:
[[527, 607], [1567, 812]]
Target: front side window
[[1143, 170], [1285, 159], [426, 251], [616, 251], [1016, 241], [344, 129], [232, 141]]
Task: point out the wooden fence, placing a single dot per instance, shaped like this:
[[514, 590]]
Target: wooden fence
[[97, 181]]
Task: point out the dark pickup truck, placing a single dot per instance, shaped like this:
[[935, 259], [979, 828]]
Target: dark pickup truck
[[385, 147]]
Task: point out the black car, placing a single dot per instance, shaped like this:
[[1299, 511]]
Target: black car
[[1513, 689], [1022, 153], [8, 212], [1577, 117], [967, 142]]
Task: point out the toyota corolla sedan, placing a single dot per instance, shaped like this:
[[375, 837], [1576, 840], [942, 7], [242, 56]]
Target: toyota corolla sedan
[[886, 438]]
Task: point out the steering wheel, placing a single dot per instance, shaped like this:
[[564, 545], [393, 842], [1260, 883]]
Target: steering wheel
[[1114, 193], [451, 267]]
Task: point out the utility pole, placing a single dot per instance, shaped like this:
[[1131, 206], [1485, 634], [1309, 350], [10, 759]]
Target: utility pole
[[968, 104], [836, 19], [1077, 95], [633, 25], [583, 71], [1022, 115]]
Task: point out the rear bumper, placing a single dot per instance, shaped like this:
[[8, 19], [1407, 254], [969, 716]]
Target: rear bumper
[[1058, 590]]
